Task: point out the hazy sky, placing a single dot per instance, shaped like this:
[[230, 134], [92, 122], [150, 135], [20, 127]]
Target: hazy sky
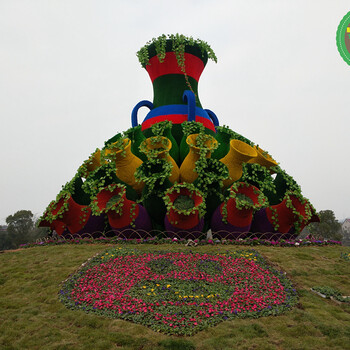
[[69, 78]]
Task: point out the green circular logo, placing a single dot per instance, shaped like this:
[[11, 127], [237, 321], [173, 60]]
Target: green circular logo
[[343, 38]]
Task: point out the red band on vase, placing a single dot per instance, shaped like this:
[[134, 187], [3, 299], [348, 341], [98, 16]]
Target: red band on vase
[[194, 66]]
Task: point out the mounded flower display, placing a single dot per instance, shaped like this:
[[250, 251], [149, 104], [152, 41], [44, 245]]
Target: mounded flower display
[[240, 190], [178, 292]]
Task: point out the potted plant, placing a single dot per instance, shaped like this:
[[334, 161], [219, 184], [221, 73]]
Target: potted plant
[[239, 153], [164, 129], [159, 147], [200, 146], [185, 210], [125, 161], [223, 135], [136, 137], [155, 174], [125, 217], [232, 219], [211, 174], [65, 215], [280, 218]]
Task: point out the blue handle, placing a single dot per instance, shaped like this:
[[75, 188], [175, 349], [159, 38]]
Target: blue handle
[[213, 117], [143, 103], [189, 98]]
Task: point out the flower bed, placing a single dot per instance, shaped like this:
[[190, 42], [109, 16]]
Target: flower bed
[[345, 256], [178, 292], [157, 240]]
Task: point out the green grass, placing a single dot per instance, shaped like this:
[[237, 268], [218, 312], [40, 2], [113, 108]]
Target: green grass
[[31, 317]]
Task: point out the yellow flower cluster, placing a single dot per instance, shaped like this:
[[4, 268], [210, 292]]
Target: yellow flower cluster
[[248, 256]]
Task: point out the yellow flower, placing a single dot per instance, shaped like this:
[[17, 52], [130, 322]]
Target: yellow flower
[[152, 290], [168, 285], [143, 286]]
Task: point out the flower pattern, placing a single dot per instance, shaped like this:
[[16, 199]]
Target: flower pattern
[[178, 292]]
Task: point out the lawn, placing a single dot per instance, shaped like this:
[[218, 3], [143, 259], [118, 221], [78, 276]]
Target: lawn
[[32, 317]]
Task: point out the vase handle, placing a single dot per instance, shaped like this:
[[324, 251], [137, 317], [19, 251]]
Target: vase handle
[[213, 117], [143, 103], [189, 98]]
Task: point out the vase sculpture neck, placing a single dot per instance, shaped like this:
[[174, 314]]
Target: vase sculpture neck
[[169, 80]]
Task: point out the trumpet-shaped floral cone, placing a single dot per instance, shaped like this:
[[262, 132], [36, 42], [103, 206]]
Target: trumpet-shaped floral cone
[[284, 215], [74, 218], [126, 218], [237, 211], [183, 210]]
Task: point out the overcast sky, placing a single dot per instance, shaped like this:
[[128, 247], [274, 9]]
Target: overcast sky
[[69, 78]]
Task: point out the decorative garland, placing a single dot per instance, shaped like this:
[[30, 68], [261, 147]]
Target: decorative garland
[[179, 42]]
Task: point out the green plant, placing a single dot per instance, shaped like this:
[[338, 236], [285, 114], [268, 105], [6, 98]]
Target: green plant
[[345, 256], [243, 201], [117, 207], [158, 129], [99, 178], [258, 176], [178, 42], [211, 173], [193, 191], [192, 127], [234, 135], [154, 173], [109, 152], [329, 292], [155, 146], [300, 219]]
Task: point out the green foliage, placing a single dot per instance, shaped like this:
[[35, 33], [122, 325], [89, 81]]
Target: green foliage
[[242, 201], [155, 146], [177, 187], [192, 127], [211, 173], [21, 229], [158, 129], [234, 135], [329, 292], [183, 202], [178, 42], [258, 176], [155, 174], [328, 227]]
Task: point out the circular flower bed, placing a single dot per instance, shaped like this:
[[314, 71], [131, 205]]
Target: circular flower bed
[[178, 292]]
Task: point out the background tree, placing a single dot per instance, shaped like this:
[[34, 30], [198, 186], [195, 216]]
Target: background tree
[[21, 229], [327, 228]]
